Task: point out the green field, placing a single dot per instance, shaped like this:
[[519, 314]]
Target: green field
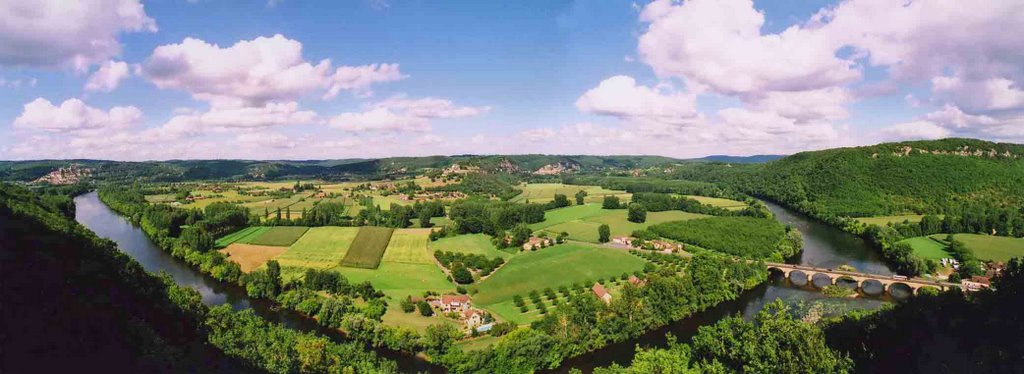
[[561, 265], [409, 246], [582, 221], [927, 247], [884, 220], [281, 236], [470, 243], [544, 192], [368, 247], [991, 248], [244, 236], [398, 280], [719, 202], [320, 247], [739, 236]]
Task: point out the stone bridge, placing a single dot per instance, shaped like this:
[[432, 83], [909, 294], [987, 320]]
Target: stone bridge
[[820, 277]]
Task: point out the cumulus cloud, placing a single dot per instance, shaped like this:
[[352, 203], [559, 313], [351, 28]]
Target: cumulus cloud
[[265, 140], [108, 77], [401, 114], [74, 115], [621, 97], [916, 130], [254, 72], [219, 120], [67, 34]]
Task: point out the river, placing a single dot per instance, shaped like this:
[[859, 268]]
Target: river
[[92, 213], [824, 246]]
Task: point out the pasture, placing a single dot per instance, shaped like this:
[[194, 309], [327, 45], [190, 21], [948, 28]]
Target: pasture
[[243, 236], [281, 236], [719, 202], [320, 247], [470, 243], [885, 220], [398, 279], [927, 247], [561, 265], [582, 221], [544, 192], [991, 248], [409, 246], [368, 247], [250, 257]]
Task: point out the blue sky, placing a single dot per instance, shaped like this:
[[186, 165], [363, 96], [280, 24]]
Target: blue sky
[[205, 79]]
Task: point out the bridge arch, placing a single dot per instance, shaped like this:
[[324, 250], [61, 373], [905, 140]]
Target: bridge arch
[[798, 278], [821, 280], [872, 287], [901, 290], [847, 281]]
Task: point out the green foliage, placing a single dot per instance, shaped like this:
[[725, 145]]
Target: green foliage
[[611, 202], [580, 196], [740, 236], [604, 233], [637, 213], [425, 309]]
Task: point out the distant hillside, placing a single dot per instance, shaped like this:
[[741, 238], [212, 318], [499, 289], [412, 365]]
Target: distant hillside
[[889, 178], [755, 159]]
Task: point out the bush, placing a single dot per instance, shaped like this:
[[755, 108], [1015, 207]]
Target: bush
[[407, 305], [461, 290], [425, 309]]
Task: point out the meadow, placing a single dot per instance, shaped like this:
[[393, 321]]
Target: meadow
[[409, 246], [281, 236], [243, 236], [928, 247], [990, 248], [560, 265], [884, 220], [407, 268], [470, 244], [250, 257], [582, 221], [719, 202], [368, 247], [544, 192], [320, 247]]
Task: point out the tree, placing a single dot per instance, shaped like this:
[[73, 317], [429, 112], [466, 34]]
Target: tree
[[610, 202], [425, 309], [520, 234], [407, 305], [439, 338], [288, 213], [559, 201], [604, 233], [460, 274], [930, 224], [424, 216], [580, 196], [637, 213]]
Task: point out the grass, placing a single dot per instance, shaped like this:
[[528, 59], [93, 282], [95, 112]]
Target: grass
[[250, 257], [368, 247], [398, 280], [991, 248], [409, 246], [927, 247], [544, 192], [320, 247], [396, 317], [241, 236], [479, 343], [471, 243], [553, 267], [281, 236], [719, 202], [582, 221], [884, 220]]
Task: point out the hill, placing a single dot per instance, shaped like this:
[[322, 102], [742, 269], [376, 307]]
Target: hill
[[884, 179], [755, 159]]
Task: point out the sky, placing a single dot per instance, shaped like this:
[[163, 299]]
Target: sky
[[292, 79]]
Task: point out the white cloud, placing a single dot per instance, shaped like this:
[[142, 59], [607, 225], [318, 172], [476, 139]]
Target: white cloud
[[621, 97], [265, 140], [719, 44], [74, 115], [108, 77], [254, 72], [400, 114], [67, 34], [916, 130], [229, 120], [538, 134], [824, 104]]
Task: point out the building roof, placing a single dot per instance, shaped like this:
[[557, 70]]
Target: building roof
[[634, 280], [470, 312], [599, 290], [449, 299]]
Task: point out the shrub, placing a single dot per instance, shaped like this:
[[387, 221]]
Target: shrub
[[425, 309]]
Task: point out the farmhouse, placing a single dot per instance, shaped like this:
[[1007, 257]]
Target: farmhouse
[[452, 303], [623, 240], [535, 241], [601, 293], [975, 283], [473, 318], [636, 281]]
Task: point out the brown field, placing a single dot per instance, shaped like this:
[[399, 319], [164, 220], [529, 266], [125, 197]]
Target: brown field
[[249, 257]]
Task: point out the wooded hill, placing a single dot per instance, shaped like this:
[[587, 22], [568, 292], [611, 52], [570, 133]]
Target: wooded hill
[[889, 178]]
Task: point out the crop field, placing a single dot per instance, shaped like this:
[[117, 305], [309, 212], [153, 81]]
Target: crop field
[[470, 243], [544, 192], [250, 257], [719, 202], [409, 246], [368, 247], [398, 279], [162, 198], [991, 248], [243, 236], [582, 221], [281, 236], [561, 265], [320, 247], [927, 247], [271, 205], [884, 220]]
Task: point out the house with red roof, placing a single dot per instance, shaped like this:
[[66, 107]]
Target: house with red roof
[[601, 293]]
